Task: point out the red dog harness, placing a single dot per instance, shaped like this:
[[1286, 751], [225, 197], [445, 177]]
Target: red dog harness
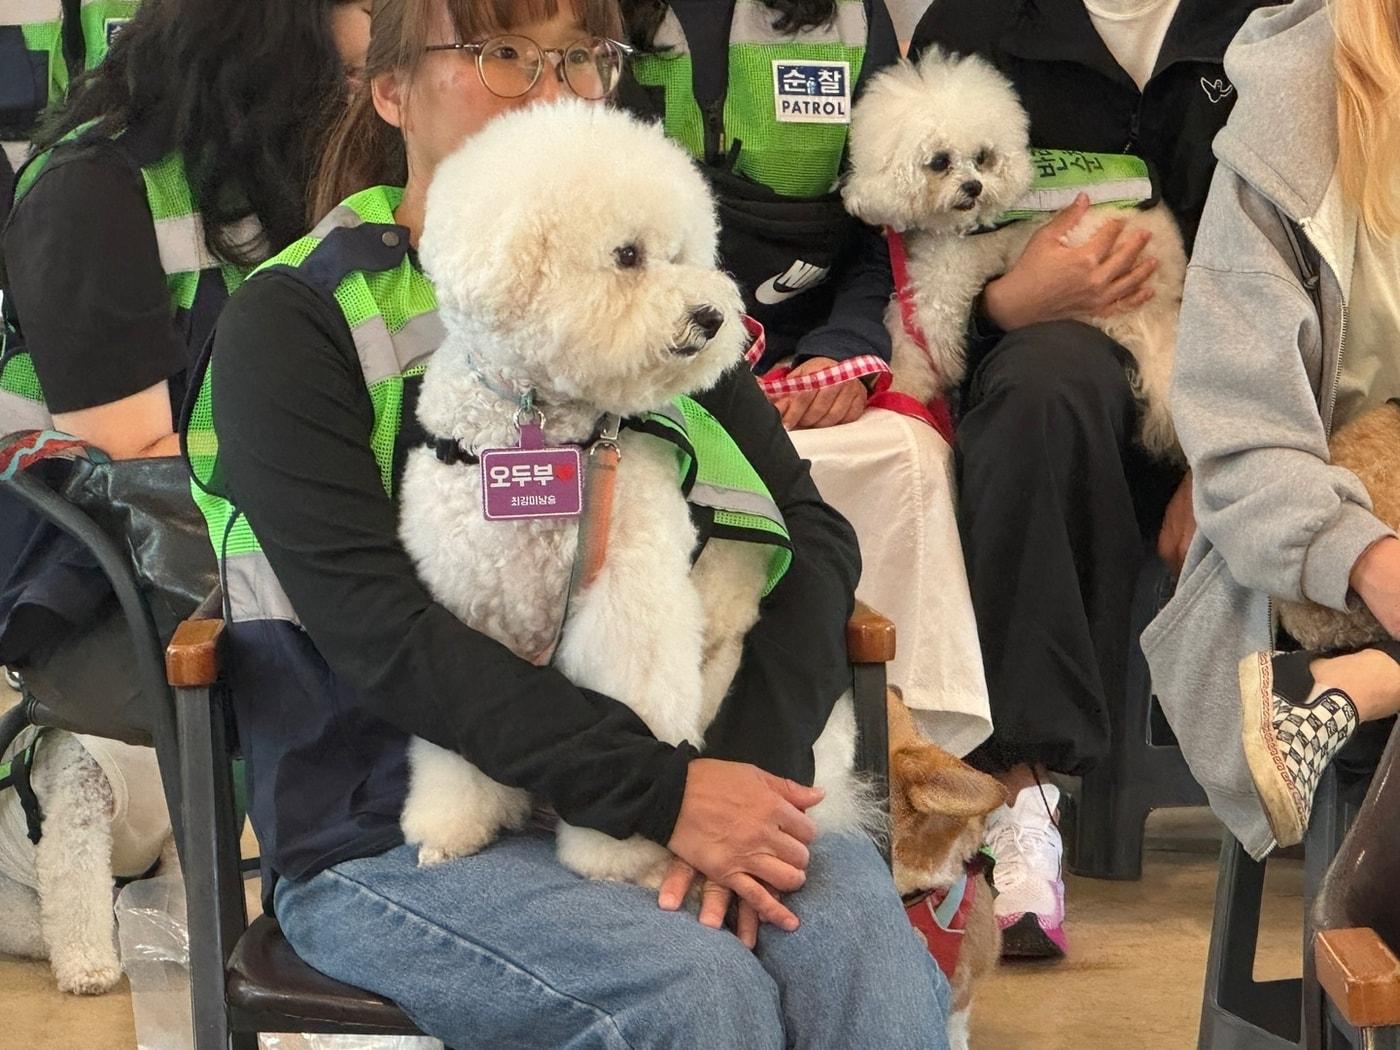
[[940, 916], [935, 413]]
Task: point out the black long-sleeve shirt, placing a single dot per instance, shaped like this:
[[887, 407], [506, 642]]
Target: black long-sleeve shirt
[[293, 418]]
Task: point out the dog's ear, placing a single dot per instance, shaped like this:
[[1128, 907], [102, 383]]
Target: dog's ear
[[935, 782]]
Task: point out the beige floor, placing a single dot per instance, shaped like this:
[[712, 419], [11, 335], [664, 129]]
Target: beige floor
[[1133, 979]]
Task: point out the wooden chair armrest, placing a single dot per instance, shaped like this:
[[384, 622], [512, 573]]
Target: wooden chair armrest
[[1361, 976], [192, 657], [869, 637]]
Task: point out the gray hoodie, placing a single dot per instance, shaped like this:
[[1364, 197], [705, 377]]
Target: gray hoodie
[[1256, 376]]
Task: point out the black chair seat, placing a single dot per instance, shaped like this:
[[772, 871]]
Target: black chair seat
[[270, 986]]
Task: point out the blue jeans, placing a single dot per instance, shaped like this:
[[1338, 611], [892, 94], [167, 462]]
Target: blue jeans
[[509, 949]]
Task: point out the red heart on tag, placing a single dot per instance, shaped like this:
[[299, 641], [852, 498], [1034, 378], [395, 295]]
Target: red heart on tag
[[564, 471]]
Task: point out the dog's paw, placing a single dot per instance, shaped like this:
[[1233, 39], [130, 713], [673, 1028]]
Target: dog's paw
[[86, 977], [598, 856], [474, 840]]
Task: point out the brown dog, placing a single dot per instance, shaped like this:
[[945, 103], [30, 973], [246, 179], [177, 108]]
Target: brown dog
[[938, 809], [1368, 446]]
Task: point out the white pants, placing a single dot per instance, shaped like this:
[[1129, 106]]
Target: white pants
[[892, 478]]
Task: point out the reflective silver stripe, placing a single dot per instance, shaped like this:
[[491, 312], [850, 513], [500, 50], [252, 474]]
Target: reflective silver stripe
[[721, 497], [753, 24], [16, 153], [18, 412], [375, 347], [419, 339], [670, 38], [181, 243], [383, 355], [29, 12], [253, 591], [339, 217], [182, 247], [672, 412]]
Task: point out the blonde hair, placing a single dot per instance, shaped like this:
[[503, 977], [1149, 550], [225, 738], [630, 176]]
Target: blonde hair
[[362, 150], [1367, 59]]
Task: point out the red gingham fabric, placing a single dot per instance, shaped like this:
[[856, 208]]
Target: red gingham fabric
[[778, 382]]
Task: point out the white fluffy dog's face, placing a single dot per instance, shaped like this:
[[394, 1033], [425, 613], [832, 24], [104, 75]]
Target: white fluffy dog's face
[[573, 248], [941, 146]]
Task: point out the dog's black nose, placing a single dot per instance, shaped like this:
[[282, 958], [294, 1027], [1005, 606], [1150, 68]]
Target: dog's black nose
[[972, 188], [708, 320]]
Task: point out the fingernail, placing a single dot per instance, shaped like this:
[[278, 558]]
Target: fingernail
[[790, 925], [669, 903]]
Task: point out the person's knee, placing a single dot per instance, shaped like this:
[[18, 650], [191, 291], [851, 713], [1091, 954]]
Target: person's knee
[[1052, 366], [716, 990]]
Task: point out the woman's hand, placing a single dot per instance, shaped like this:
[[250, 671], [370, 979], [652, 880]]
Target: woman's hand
[[714, 902], [1376, 579], [828, 407], [1178, 528], [748, 831], [1054, 282]]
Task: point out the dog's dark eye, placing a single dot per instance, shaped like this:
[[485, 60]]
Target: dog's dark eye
[[940, 162], [629, 256], [984, 158]]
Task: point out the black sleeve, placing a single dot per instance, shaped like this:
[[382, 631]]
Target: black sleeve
[[294, 420], [794, 664], [856, 324], [958, 26], [84, 272]]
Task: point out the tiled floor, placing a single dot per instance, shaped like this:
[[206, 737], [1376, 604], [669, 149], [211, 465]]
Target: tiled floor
[[1133, 978]]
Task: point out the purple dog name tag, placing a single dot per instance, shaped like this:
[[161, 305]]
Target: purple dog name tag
[[531, 481]]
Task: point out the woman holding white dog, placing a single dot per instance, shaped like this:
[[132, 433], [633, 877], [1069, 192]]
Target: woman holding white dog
[[1058, 504], [760, 93], [1290, 330], [339, 654]]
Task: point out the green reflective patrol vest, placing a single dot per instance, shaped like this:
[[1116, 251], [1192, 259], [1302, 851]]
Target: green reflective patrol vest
[[39, 57], [101, 21], [358, 256], [788, 98], [199, 283]]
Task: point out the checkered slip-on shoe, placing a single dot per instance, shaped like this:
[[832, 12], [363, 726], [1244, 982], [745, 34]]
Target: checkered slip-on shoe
[[1289, 739]]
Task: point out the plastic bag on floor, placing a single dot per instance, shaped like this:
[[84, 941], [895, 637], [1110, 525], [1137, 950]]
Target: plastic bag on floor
[[155, 951]]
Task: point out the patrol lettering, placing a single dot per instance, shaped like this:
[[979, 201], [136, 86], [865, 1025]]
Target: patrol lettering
[[811, 92]]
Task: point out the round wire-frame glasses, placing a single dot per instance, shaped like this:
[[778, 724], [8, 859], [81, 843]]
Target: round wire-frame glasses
[[510, 65]]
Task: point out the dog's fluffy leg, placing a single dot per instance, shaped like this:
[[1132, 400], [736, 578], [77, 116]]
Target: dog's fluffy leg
[[20, 932], [959, 1029], [729, 579], [636, 634], [479, 807], [73, 862], [850, 804]]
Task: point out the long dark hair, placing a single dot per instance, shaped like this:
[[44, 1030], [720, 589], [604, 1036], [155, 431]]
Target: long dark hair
[[362, 150], [644, 17], [243, 90]]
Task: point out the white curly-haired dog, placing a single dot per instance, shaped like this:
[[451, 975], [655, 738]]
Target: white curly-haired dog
[[939, 149], [573, 249], [104, 815]]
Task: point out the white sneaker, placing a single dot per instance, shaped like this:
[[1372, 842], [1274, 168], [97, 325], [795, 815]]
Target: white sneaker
[[1030, 903]]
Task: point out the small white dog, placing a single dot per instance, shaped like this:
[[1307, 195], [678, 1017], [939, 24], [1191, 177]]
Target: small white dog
[[940, 149], [104, 815], [573, 250]]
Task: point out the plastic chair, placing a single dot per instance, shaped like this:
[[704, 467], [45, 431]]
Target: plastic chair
[[1238, 1012], [1357, 916], [1144, 769], [245, 978], [158, 702]]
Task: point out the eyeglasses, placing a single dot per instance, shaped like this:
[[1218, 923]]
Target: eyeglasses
[[509, 66]]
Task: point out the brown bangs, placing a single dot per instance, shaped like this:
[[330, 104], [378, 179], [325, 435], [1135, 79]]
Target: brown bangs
[[475, 19]]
